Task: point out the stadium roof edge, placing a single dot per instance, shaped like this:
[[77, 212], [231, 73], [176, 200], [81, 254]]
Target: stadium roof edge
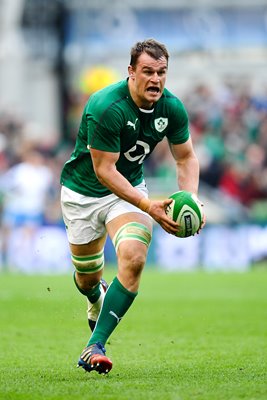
[[193, 4]]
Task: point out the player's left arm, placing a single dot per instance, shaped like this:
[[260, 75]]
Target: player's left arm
[[187, 166]]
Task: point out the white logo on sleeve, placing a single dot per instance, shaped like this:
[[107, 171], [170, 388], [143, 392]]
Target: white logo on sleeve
[[161, 123]]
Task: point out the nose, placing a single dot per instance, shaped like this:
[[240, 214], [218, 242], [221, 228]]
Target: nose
[[155, 77]]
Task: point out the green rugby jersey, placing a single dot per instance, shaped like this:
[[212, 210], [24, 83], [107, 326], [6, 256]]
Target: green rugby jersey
[[112, 122]]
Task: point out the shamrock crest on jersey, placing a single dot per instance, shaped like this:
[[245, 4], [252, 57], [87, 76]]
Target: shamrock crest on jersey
[[161, 123]]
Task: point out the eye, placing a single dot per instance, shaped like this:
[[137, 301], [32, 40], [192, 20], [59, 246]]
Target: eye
[[148, 72]]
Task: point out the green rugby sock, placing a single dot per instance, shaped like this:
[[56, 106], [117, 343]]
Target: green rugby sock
[[116, 303], [92, 294]]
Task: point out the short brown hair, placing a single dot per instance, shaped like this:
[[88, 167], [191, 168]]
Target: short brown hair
[[153, 48]]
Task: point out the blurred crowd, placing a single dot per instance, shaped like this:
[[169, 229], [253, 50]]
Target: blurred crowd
[[29, 173], [29, 187], [228, 126]]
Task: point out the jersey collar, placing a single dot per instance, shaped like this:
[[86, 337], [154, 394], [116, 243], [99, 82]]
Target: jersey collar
[[146, 111]]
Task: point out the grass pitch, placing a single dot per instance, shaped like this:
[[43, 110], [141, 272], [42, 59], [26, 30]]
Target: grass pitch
[[187, 337]]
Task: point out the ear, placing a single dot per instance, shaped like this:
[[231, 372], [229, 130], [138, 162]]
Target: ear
[[130, 71]]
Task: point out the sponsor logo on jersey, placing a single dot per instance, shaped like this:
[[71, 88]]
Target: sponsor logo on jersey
[[161, 123], [132, 154], [132, 124]]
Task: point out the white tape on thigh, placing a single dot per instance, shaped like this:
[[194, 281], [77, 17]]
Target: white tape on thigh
[[88, 264], [132, 231]]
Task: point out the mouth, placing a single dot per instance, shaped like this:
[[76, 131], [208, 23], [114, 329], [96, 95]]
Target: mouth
[[153, 89]]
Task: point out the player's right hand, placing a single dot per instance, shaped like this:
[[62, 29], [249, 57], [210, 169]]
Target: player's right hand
[[157, 210]]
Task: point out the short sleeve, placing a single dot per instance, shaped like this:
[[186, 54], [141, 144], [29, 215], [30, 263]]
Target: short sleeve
[[103, 130], [178, 131]]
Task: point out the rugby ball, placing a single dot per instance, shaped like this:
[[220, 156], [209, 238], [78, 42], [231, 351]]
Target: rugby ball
[[186, 210]]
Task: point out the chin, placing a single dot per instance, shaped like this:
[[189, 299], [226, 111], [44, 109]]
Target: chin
[[152, 99], [147, 104]]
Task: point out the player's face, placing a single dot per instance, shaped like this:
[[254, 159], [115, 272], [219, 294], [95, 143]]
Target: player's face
[[147, 80]]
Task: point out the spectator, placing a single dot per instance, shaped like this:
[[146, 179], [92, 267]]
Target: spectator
[[25, 188]]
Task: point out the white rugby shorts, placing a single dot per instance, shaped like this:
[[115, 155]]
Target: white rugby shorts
[[86, 217]]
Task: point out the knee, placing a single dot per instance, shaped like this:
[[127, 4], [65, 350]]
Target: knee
[[131, 263], [132, 258]]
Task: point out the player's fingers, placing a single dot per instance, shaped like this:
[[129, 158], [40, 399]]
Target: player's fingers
[[166, 203], [203, 223], [170, 226]]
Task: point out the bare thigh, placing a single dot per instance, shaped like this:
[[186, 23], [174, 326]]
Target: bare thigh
[[131, 254]]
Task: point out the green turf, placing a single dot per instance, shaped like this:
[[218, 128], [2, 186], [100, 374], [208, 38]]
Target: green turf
[[187, 337]]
